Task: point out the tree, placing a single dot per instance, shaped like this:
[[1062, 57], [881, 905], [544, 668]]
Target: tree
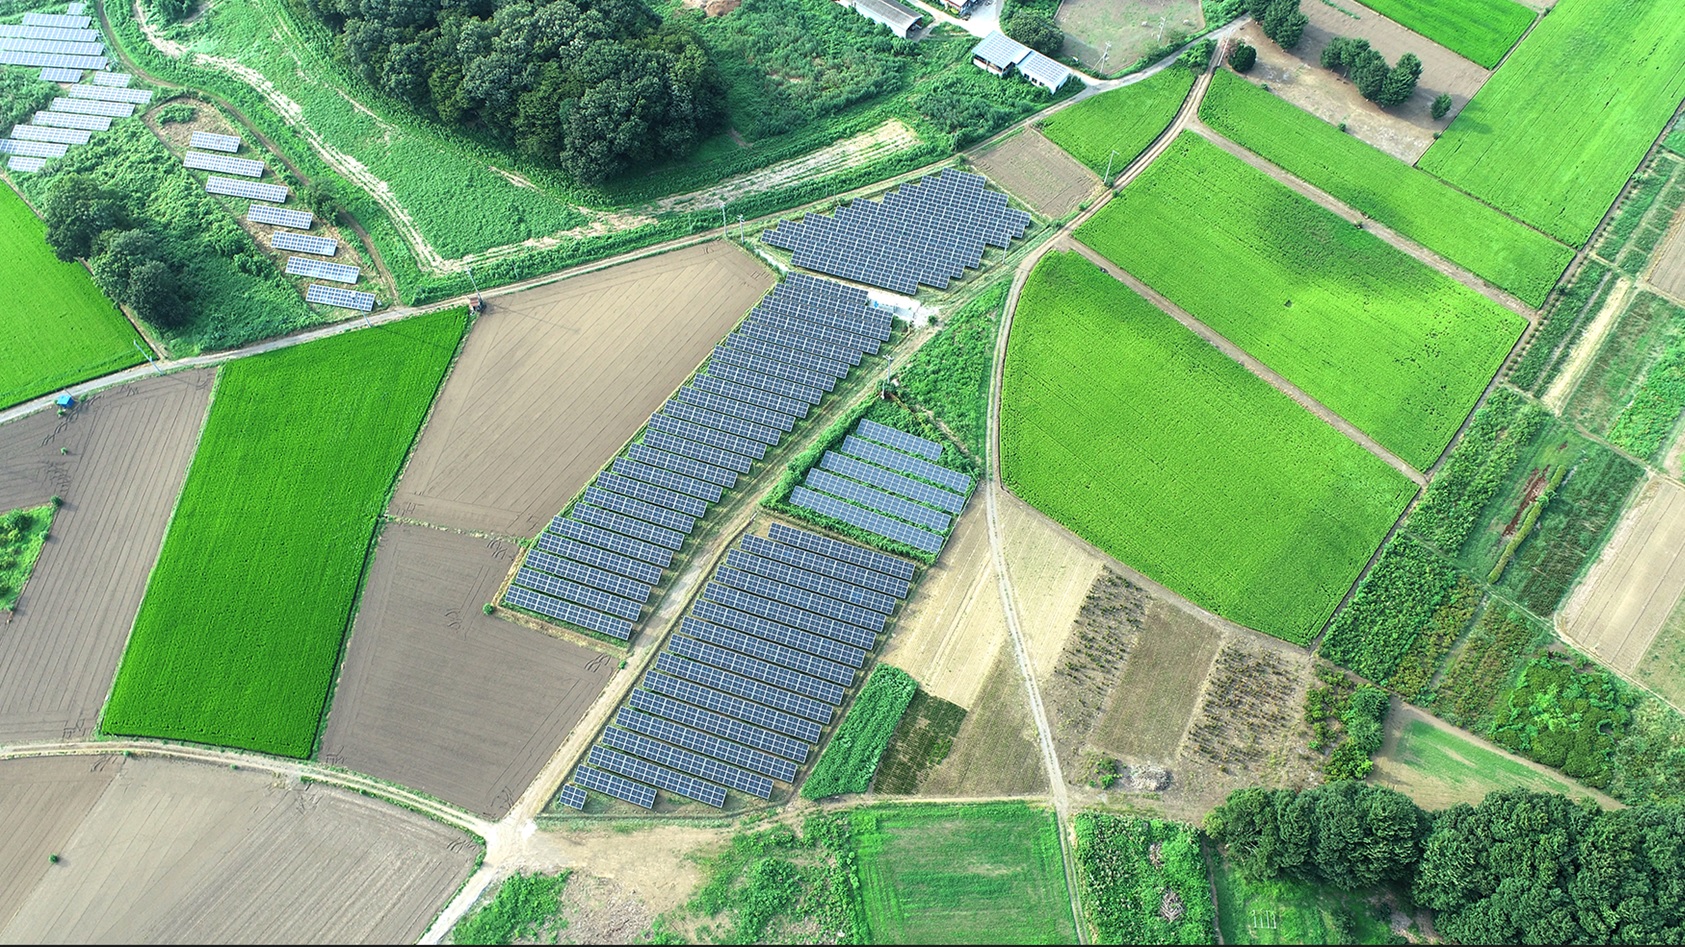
[[1400, 83], [1281, 20], [1441, 105], [1198, 56], [155, 294], [78, 210], [1034, 29], [1243, 57]]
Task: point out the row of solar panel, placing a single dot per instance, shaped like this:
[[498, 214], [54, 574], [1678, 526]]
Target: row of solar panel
[[50, 47], [222, 164], [116, 80], [12, 57], [93, 123], [64, 136], [342, 298], [64, 20], [247, 190], [60, 34], [51, 74], [303, 243], [105, 93], [321, 269], [228, 144]]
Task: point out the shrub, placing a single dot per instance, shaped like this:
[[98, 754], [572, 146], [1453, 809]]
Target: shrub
[[1198, 56], [1035, 30], [1441, 105], [1243, 57]]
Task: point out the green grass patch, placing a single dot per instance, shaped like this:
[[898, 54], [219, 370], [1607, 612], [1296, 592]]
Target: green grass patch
[[922, 741], [1143, 881], [526, 909], [239, 635], [774, 886], [1553, 136], [1646, 425], [1147, 441], [851, 758], [22, 534], [1440, 756], [56, 327], [1286, 911], [1393, 346], [1498, 249], [1127, 119], [950, 375], [971, 874], [1478, 30], [1642, 334]]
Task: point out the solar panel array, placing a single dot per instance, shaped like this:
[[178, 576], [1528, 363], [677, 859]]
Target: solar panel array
[[280, 217], [321, 269], [17, 57], [50, 47], [32, 149], [92, 107], [25, 164], [928, 232], [75, 8], [249, 190], [303, 243], [886, 491], [116, 80], [64, 136], [63, 20], [93, 123], [106, 93], [228, 144], [572, 796], [57, 33], [222, 164], [735, 702], [343, 298], [51, 74]]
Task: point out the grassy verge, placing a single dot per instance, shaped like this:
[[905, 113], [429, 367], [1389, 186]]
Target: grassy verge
[[950, 375], [526, 909], [1285, 911]]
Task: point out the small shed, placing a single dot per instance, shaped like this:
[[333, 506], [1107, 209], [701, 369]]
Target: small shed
[[900, 18], [998, 53], [1043, 71], [66, 400]]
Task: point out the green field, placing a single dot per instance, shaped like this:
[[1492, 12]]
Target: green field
[[56, 327], [970, 874], [1553, 136], [1285, 911], [1440, 767], [22, 534], [1419, 206], [239, 634], [1127, 119], [1396, 348], [1479, 30], [1132, 869], [851, 758], [1150, 443]]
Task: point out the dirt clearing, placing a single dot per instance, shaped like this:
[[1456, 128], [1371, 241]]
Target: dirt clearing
[[118, 460], [1107, 35], [42, 801], [1627, 596], [186, 852], [436, 694], [553, 380], [1667, 272], [948, 636], [1037, 172]]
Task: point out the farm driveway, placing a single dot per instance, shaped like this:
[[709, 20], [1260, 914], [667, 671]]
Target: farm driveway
[[1627, 596], [124, 454]]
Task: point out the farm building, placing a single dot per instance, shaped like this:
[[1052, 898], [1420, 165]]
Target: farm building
[[999, 54], [900, 18], [962, 8]]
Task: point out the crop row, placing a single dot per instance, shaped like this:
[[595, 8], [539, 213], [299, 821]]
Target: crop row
[[1396, 604]]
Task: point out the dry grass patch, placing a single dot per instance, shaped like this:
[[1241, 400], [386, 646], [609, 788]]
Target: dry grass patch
[[1160, 686], [1037, 172], [1626, 598], [995, 752]]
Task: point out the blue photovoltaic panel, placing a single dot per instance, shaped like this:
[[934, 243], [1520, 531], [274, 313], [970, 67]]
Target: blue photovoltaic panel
[[250, 190], [25, 165], [90, 106], [767, 673], [596, 578], [64, 136], [742, 446], [684, 761], [612, 541], [677, 482], [638, 509], [750, 624], [280, 217], [689, 467], [303, 243], [571, 796], [568, 612], [50, 74], [758, 397], [58, 34], [222, 164], [321, 269], [786, 354], [764, 330], [865, 320], [611, 785], [579, 594], [925, 493], [867, 520], [775, 697], [651, 494], [760, 364], [658, 776], [32, 149], [855, 343], [825, 565], [116, 80], [767, 651], [900, 440], [75, 9], [228, 144], [93, 123], [735, 368], [812, 581], [14, 57], [684, 447], [707, 744], [723, 422], [719, 404], [719, 725], [745, 710], [847, 552], [58, 20], [343, 298], [106, 93], [641, 572], [875, 499], [866, 621], [906, 463], [627, 526], [786, 614], [50, 47]]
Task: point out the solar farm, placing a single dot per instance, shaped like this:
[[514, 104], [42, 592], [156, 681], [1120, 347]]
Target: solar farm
[[63, 49]]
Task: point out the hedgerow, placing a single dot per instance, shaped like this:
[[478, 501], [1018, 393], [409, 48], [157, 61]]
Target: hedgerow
[[851, 758], [1477, 469]]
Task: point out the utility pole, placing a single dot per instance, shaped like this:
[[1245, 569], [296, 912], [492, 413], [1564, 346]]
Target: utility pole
[[1108, 177], [1103, 57], [146, 355], [725, 226], [742, 232]]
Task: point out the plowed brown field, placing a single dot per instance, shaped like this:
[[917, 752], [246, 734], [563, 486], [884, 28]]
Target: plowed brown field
[[1038, 172], [1628, 595]]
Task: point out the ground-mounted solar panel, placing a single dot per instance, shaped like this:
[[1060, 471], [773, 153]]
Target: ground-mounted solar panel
[[15, 57], [744, 448], [705, 743], [687, 466], [744, 394], [857, 346], [630, 589], [850, 313], [731, 596], [227, 144], [874, 499], [765, 330], [50, 47], [700, 490], [562, 547], [567, 611], [92, 107], [25, 165], [115, 80], [825, 565], [730, 424], [612, 541], [64, 136], [906, 463], [873, 324], [647, 533], [321, 269], [32, 149], [709, 455], [343, 298], [608, 758], [684, 761], [764, 696], [780, 348], [720, 404], [638, 509], [736, 707], [900, 440], [867, 520], [59, 34], [863, 620], [50, 74], [764, 671], [611, 785], [574, 592], [738, 374], [280, 217], [222, 164], [649, 493], [303, 243], [59, 20], [250, 190], [718, 724], [571, 796], [106, 93], [736, 619], [928, 494], [812, 581], [736, 355], [733, 640]]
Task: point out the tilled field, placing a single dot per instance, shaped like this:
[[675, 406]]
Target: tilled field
[[1038, 172], [1668, 272], [1627, 596]]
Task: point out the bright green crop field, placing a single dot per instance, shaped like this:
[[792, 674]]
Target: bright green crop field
[[1479, 30], [1127, 119], [239, 634], [1419, 206], [56, 327], [1148, 442], [1393, 346], [1553, 136]]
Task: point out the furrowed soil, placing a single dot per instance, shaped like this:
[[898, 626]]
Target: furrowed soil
[[1625, 599], [952, 628], [1160, 687], [118, 461], [42, 801], [1037, 172], [187, 852], [1667, 272], [553, 380], [437, 695]]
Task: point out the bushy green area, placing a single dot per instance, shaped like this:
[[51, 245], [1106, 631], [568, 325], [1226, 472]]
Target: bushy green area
[[1346, 834], [1234, 495], [1484, 668], [1143, 881], [55, 326], [1561, 323], [22, 94], [526, 909], [1478, 468], [1346, 721], [22, 534], [1565, 716], [1509, 254], [1127, 119], [1479, 30], [851, 758], [950, 375], [1393, 346], [1393, 607], [772, 885], [1286, 911], [239, 634], [1553, 136], [1645, 426], [1642, 334]]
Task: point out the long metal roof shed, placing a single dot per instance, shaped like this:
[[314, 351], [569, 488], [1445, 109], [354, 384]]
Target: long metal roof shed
[[1043, 71], [1000, 51]]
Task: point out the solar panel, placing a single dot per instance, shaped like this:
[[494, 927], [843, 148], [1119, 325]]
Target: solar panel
[[703, 417], [578, 594], [764, 330], [93, 123], [90, 106], [567, 611], [25, 165], [684, 761], [250, 190], [228, 144], [280, 217], [611, 785], [115, 80], [58, 33], [640, 572], [745, 710], [708, 745], [74, 9], [687, 466], [812, 581], [823, 605], [571, 796], [638, 509], [64, 136], [627, 526], [900, 440], [303, 243], [732, 640], [60, 20], [106, 93], [648, 493], [684, 447], [343, 298], [717, 724], [50, 74], [749, 378], [825, 565], [719, 404], [925, 493], [765, 672], [659, 776], [866, 520], [760, 364], [830, 303], [612, 541], [875, 499], [224, 164], [675, 482], [786, 354], [14, 57], [32, 149], [589, 575], [773, 697], [906, 463], [750, 624], [845, 552], [50, 47], [320, 269], [745, 449], [786, 614], [851, 346]]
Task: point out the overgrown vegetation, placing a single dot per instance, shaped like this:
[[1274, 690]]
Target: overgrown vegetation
[[22, 534], [1568, 716], [950, 375], [525, 909], [772, 884], [851, 758], [1394, 606], [1143, 881], [1346, 721], [1287, 911], [922, 741], [22, 94], [1562, 321], [1483, 669]]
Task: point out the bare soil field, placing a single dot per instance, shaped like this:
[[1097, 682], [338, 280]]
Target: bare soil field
[[952, 628], [995, 753], [1037, 171], [437, 695], [1160, 687], [553, 380], [1627, 596], [186, 852], [1403, 132], [1051, 571], [1129, 27], [1667, 271], [42, 801], [117, 460]]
